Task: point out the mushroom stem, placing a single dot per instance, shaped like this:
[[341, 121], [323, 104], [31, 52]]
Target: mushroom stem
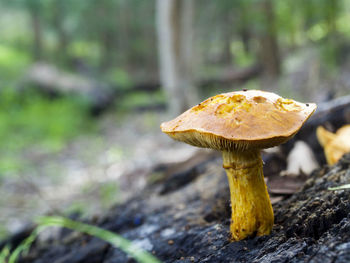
[[251, 207]]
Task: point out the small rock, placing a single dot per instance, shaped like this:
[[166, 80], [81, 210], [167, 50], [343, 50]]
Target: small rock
[[144, 244], [167, 232]]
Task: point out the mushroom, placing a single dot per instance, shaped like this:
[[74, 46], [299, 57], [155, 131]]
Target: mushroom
[[240, 124], [335, 144]]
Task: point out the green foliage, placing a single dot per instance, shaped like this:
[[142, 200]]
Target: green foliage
[[343, 24], [87, 50], [108, 194], [24, 246], [119, 78], [318, 31], [4, 253], [242, 58], [28, 119], [141, 99], [77, 207], [12, 62], [329, 54], [114, 239], [108, 236], [4, 232], [119, 36]]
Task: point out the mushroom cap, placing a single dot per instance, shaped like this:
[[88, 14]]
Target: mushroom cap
[[240, 120]]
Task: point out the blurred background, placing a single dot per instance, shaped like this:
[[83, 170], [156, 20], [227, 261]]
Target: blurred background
[[85, 84]]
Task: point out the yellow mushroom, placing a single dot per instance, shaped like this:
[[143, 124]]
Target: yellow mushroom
[[335, 144], [240, 124]]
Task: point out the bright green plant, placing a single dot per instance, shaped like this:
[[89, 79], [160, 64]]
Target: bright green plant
[[342, 187], [4, 253], [108, 236]]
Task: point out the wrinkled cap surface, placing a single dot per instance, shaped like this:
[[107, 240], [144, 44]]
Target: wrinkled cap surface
[[240, 120]]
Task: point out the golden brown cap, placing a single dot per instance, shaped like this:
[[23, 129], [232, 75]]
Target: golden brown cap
[[240, 120]]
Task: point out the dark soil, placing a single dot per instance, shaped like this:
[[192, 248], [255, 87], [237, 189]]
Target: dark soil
[[187, 220]]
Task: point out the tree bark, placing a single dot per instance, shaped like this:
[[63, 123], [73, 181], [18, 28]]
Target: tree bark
[[175, 33]]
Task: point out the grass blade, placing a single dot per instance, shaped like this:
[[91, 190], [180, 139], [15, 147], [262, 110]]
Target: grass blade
[[4, 253], [342, 187], [25, 244], [114, 239]]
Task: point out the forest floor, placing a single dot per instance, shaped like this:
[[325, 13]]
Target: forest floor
[[189, 222], [93, 172]]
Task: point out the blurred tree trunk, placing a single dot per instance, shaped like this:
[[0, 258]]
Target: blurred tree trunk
[[108, 45], [123, 25], [226, 56], [59, 15], [331, 16], [244, 30], [106, 9], [37, 34], [175, 32], [332, 12], [245, 37], [269, 49]]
